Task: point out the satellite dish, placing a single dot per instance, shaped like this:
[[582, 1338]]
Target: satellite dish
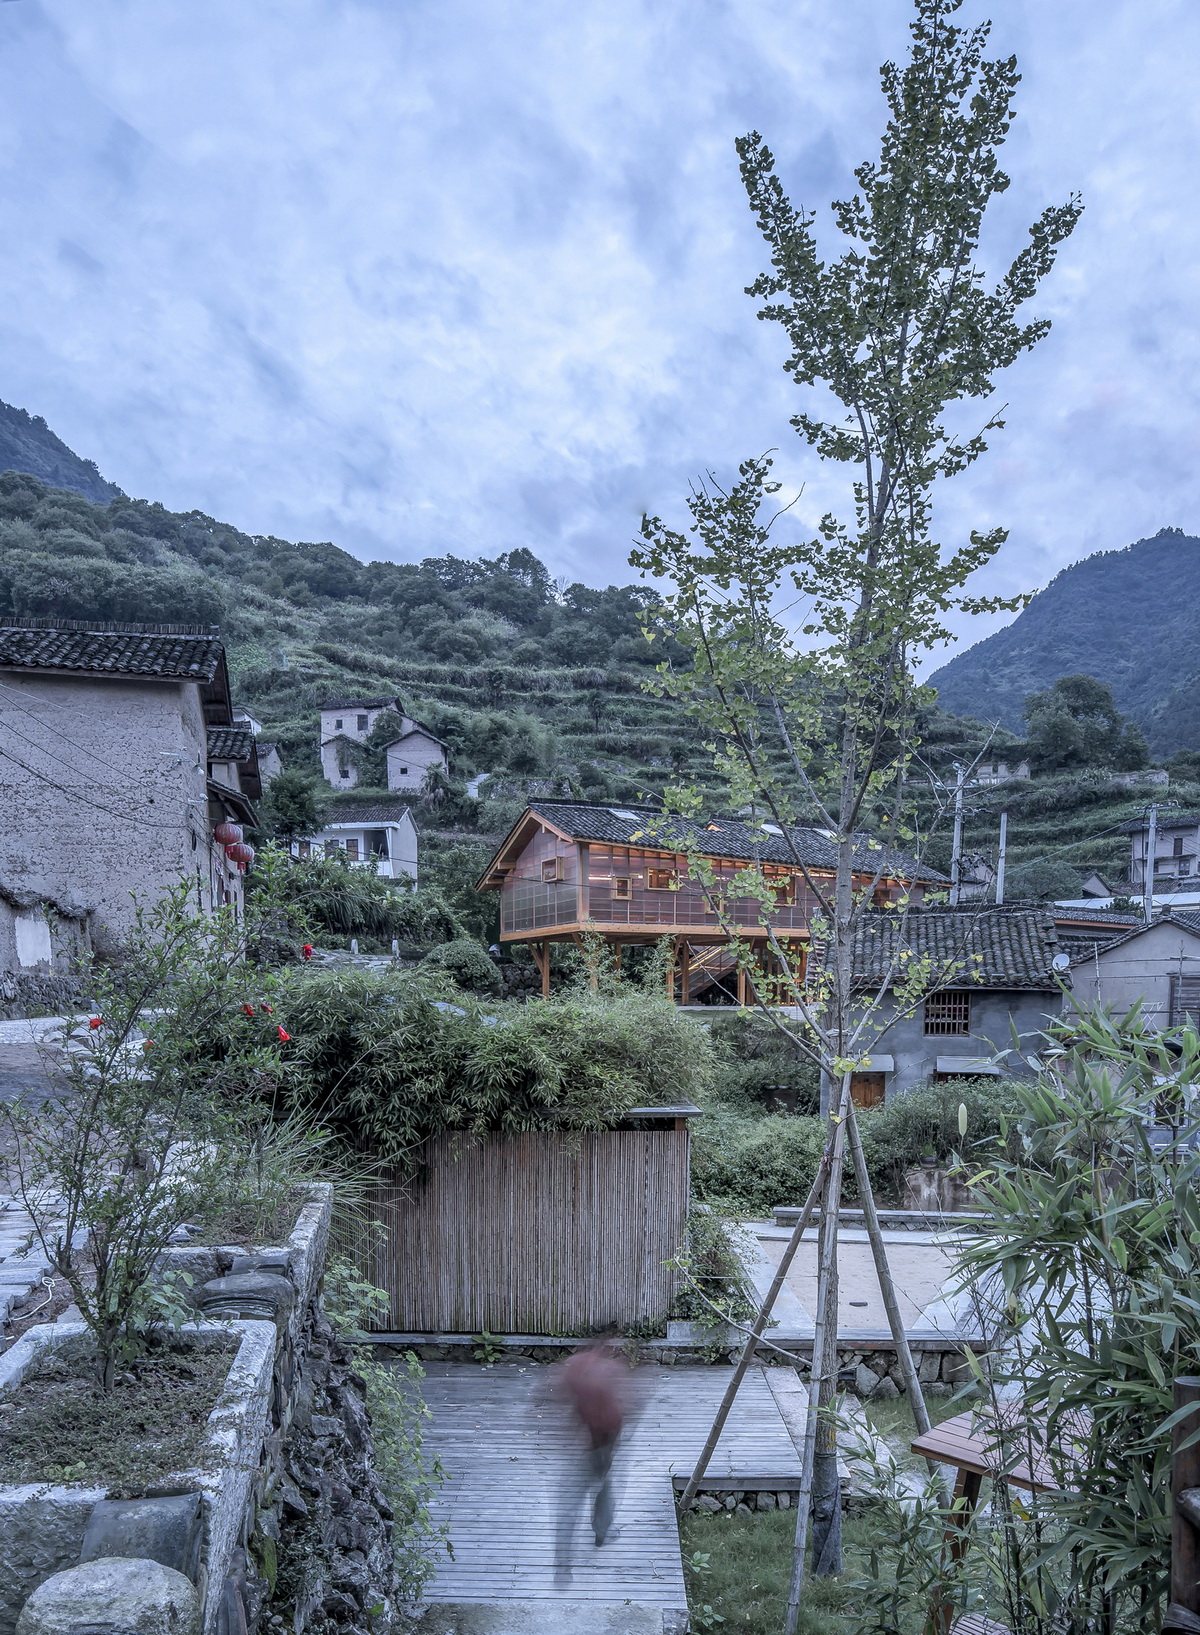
[[1060, 961]]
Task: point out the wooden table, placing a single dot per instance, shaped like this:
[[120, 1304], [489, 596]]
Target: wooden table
[[975, 1452]]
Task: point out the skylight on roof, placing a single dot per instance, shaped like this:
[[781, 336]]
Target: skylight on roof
[[773, 829], [619, 811]]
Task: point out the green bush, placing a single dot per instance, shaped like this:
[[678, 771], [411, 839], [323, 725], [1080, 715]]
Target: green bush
[[345, 899], [746, 1165], [753, 1058], [926, 1119], [465, 961], [390, 1060]]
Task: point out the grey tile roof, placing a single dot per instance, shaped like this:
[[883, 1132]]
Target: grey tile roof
[[1166, 820], [379, 812], [719, 837], [230, 743], [182, 653], [1015, 946], [363, 704]]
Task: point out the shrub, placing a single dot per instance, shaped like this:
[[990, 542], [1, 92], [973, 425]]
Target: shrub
[[346, 899], [747, 1165], [391, 1060], [926, 1119], [465, 961], [753, 1057]]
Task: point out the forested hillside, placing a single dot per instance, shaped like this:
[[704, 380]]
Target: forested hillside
[[520, 676], [1126, 617], [27, 444], [540, 684]]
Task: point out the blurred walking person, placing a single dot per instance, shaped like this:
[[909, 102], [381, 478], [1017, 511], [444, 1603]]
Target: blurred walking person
[[594, 1385]]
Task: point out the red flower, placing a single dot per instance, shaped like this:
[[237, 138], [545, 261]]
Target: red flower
[[249, 1009], [148, 1044], [284, 1037], [96, 1022], [307, 950], [267, 1008]]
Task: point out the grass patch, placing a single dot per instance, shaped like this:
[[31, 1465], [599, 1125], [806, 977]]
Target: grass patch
[[738, 1569], [58, 1425], [252, 1224], [894, 1422]]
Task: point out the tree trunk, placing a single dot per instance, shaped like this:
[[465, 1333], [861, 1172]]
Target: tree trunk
[[826, 1492]]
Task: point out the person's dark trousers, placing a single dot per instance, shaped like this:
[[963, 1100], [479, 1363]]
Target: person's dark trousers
[[602, 1509]]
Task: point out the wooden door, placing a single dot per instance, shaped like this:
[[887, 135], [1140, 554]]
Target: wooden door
[[866, 1089]]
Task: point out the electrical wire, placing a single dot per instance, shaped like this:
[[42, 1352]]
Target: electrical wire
[[75, 794]]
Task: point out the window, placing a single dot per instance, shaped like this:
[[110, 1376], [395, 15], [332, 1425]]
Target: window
[[662, 880], [352, 849], [362, 723], [345, 772], [552, 869], [331, 848], [1177, 845], [304, 849], [620, 886], [1185, 1000], [784, 887], [948, 1012], [337, 725], [404, 772]]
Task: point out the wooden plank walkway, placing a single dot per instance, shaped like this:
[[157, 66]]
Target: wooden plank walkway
[[512, 1461]]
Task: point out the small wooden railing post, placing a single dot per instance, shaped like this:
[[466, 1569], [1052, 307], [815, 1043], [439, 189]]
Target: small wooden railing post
[[1183, 1614]]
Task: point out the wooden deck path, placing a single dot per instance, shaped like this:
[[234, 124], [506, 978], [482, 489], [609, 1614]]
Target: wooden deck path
[[511, 1461]]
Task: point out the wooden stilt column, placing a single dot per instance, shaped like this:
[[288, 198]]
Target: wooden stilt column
[[685, 973], [541, 958]]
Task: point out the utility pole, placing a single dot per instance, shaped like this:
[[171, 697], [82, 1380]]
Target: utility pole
[[1000, 859], [1148, 866], [956, 854]]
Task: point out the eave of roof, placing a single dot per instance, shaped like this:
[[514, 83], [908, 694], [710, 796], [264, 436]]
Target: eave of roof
[[723, 838]]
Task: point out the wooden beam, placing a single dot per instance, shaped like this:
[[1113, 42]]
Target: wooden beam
[[1185, 1538]]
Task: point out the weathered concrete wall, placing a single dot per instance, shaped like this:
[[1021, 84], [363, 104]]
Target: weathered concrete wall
[[1141, 968], [993, 1016], [111, 797], [409, 761]]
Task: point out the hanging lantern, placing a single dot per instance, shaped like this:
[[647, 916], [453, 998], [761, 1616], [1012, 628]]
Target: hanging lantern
[[228, 834], [239, 852]]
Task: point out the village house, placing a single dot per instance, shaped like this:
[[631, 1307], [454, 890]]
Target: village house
[[1176, 851], [269, 763], [991, 969], [410, 756], [995, 772], [1157, 964], [381, 834], [568, 867], [118, 761]]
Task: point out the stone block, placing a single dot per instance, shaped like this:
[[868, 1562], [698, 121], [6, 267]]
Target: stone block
[[705, 1501], [886, 1390], [765, 1501], [865, 1380], [168, 1530], [251, 1296], [784, 1500], [929, 1366], [114, 1595]]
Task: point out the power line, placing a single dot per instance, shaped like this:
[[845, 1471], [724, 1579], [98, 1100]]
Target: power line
[[74, 794]]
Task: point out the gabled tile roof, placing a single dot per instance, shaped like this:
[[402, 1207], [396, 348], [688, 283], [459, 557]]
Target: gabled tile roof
[[976, 948], [722, 837], [379, 812], [180, 653], [230, 743], [1166, 820], [362, 704]]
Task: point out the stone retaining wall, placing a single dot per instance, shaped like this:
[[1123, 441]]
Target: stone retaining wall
[[290, 1450]]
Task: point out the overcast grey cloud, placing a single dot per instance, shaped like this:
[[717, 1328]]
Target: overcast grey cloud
[[428, 275]]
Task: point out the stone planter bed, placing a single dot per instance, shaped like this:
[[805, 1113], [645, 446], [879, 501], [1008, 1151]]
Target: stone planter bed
[[198, 1532]]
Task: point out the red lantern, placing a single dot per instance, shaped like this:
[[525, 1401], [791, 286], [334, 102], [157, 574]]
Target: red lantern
[[228, 834], [239, 852]]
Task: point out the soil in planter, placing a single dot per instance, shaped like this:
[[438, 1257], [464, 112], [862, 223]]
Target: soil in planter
[[251, 1225], [59, 1426]]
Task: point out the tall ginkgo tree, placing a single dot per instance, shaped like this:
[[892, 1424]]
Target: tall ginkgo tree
[[813, 718]]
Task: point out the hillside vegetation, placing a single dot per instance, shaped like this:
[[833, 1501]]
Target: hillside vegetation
[[1126, 617]]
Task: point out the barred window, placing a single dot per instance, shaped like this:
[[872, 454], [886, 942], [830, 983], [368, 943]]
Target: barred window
[[948, 1012], [1185, 1000]]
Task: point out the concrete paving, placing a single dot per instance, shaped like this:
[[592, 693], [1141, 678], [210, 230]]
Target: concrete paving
[[922, 1266]]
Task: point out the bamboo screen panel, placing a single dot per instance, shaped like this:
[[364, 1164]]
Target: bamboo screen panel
[[535, 1234]]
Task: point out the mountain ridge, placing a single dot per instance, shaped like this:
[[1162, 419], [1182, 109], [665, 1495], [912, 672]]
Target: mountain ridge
[[27, 444], [1117, 615]]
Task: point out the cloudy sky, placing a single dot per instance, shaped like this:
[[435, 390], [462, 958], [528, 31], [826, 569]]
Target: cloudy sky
[[429, 275]]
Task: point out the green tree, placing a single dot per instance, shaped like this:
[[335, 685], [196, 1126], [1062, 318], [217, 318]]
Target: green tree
[[898, 330], [293, 806], [1076, 723], [1043, 879]]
